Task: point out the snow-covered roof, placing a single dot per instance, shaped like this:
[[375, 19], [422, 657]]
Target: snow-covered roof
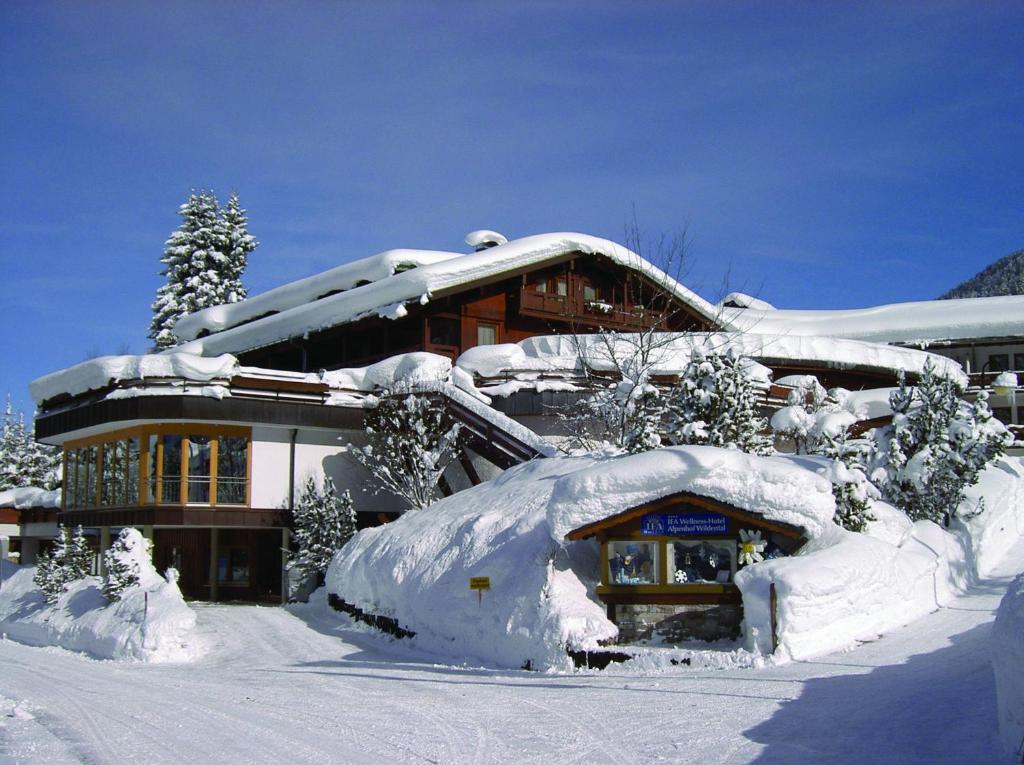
[[98, 373], [24, 497], [929, 321], [300, 312], [552, 353], [338, 279]]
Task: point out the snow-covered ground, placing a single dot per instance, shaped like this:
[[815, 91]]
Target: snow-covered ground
[[294, 686]]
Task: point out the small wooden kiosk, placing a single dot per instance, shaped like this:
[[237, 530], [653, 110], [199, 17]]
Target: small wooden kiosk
[[667, 566]]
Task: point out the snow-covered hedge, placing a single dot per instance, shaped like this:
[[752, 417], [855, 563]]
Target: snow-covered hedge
[[1008, 665], [839, 588], [83, 620]]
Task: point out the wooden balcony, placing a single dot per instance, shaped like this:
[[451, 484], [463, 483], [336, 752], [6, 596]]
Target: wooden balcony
[[573, 308]]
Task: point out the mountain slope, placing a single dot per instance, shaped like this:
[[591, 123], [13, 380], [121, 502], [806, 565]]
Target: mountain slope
[[1004, 277]]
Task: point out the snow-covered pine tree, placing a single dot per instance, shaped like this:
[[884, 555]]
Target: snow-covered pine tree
[[412, 441], [69, 561], [23, 461], [851, 488], [323, 522], [203, 263], [935, 447], [123, 562], [236, 244], [715, 403]]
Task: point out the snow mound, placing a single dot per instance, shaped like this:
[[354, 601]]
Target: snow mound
[[1007, 660], [105, 370], [1000, 490], [542, 599], [25, 497], [743, 300], [151, 622]]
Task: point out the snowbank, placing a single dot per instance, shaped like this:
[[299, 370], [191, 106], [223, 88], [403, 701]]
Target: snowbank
[[840, 588], [101, 372], [1007, 663], [30, 496], [994, 531], [83, 620], [542, 599]]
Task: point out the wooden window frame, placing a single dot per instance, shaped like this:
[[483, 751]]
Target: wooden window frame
[[143, 433]]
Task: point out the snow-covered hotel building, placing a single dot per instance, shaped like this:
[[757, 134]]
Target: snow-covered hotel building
[[203, 447]]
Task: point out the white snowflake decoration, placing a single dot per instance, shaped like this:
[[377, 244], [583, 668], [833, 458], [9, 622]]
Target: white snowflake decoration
[[751, 547], [681, 576]]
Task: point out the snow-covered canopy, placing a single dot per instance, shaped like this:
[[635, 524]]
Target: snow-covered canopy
[[552, 353], [512, 529], [98, 373], [300, 311], [923, 322]]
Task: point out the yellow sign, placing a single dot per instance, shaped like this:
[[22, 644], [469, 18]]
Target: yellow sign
[[479, 583]]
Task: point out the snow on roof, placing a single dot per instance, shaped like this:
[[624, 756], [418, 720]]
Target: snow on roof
[[552, 353], [100, 372], [386, 295], [782, 488], [923, 322], [338, 279], [25, 497], [743, 300]]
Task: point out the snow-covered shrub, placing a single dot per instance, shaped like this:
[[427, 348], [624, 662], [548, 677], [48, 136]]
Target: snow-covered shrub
[[935, 448], [811, 415], [69, 561], [851, 488], [412, 441], [323, 521], [715, 403], [627, 414], [127, 558]]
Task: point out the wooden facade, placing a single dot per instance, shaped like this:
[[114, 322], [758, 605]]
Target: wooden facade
[[574, 294]]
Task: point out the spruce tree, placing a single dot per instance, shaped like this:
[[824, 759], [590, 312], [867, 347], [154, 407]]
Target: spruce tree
[[412, 441], [69, 561], [236, 244], [203, 263], [715, 403], [23, 461], [122, 562], [936, 447], [323, 521]]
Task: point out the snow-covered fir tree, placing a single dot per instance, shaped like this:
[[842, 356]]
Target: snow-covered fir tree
[[203, 263], [851, 488], [124, 562], [68, 561], [23, 461], [323, 522], [236, 244], [935, 447], [715, 403], [412, 441]]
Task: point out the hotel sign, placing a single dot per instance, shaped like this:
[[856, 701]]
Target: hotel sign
[[689, 525]]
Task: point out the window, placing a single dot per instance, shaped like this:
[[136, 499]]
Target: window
[[590, 293], [1018, 362], [210, 467], [541, 285], [199, 455], [562, 287], [999, 362], [633, 562], [700, 561], [231, 466], [444, 331], [233, 566], [486, 334]]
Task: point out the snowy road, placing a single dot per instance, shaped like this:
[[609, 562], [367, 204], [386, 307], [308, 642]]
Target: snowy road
[[277, 688]]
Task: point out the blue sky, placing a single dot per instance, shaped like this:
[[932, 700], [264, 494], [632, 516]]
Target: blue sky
[[820, 154]]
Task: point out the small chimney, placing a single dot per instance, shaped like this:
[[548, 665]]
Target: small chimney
[[484, 239]]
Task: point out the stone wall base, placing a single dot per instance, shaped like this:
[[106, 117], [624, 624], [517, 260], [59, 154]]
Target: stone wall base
[[668, 624]]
